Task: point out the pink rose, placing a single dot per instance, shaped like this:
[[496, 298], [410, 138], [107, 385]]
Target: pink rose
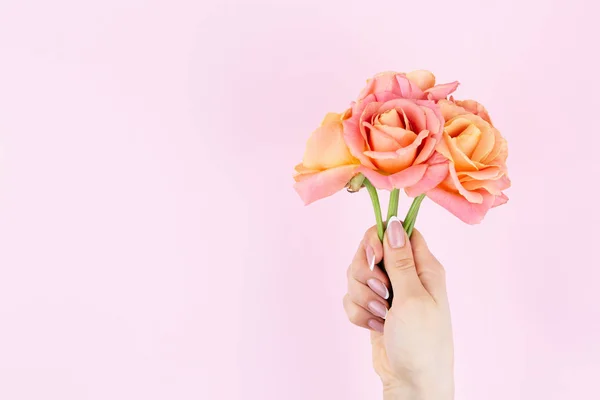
[[394, 129]]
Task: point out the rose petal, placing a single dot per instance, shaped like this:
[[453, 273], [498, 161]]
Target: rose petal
[[326, 148], [331, 117], [379, 140], [422, 78], [435, 174], [441, 91], [414, 113], [391, 162], [455, 126], [468, 140], [474, 107], [353, 136], [491, 172], [368, 114], [433, 119], [485, 145], [323, 184], [427, 150], [402, 179], [499, 200], [463, 163], [435, 123], [493, 186], [302, 172], [500, 151], [382, 82], [460, 207], [455, 183], [382, 97], [450, 110], [391, 119], [402, 136], [408, 89]]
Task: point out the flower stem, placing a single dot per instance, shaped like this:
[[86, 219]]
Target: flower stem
[[393, 206], [376, 207], [411, 215]]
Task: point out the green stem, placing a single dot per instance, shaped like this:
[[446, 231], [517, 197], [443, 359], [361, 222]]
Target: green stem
[[393, 206], [411, 215], [376, 207]]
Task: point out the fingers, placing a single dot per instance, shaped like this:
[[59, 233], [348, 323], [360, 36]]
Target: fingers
[[370, 249], [363, 296], [364, 266], [361, 317], [429, 269], [400, 263], [368, 286]]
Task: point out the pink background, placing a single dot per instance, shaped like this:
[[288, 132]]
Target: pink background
[[152, 247]]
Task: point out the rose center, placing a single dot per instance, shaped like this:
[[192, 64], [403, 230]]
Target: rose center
[[464, 134]]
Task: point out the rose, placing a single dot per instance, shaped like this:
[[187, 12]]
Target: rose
[[393, 131], [389, 135], [477, 172], [327, 165]]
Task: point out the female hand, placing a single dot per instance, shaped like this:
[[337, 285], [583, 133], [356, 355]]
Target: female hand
[[412, 345]]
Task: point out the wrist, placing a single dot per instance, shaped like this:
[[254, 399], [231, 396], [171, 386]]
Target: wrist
[[414, 394], [441, 389]]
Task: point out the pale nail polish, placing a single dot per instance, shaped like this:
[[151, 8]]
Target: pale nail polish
[[395, 233], [375, 325], [370, 256], [378, 287], [377, 309]]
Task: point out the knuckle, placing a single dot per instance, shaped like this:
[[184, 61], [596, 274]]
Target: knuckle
[[352, 311], [433, 273], [441, 272], [354, 315], [345, 300], [356, 270], [402, 263], [356, 296], [369, 232]]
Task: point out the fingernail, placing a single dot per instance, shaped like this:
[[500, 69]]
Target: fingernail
[[375, 325], [378, 287], [395, 233], [377, 309], [370, 256]]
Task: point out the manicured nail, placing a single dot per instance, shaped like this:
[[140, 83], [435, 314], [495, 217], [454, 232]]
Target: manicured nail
[[395, 233], [377, 309], [375, 325], [378, 287], [370, 256]]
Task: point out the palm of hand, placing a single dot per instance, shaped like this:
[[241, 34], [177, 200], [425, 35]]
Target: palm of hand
[[415, 339]]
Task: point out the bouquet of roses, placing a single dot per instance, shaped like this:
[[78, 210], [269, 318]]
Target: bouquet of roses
[[405, 132]]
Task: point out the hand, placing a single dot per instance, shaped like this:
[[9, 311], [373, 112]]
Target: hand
[[412, 345]]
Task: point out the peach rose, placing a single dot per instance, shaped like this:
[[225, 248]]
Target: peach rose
[[327, 165], [477, 172]]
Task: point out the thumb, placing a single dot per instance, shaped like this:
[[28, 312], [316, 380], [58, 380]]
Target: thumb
[[399, 262]]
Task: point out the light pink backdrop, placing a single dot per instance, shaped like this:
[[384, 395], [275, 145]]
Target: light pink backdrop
[[151, 245]]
